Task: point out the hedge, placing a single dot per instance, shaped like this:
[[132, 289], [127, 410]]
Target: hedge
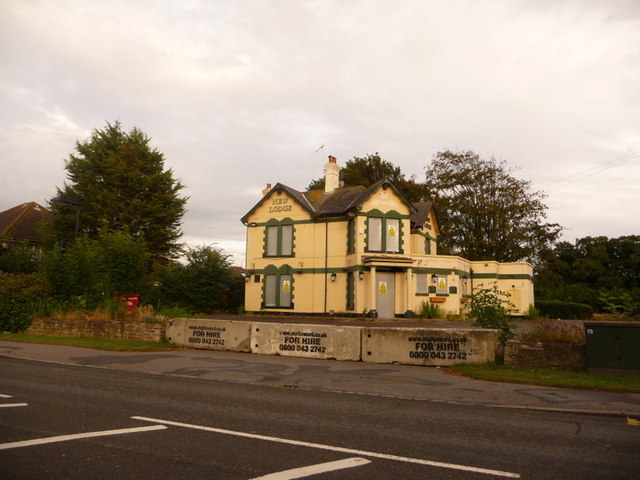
[[564, 310], [17, 293]]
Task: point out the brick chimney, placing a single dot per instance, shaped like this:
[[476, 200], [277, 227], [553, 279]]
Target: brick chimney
[[266, 190], [331, 175]]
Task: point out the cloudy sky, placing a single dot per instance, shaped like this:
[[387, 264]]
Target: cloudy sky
[[240, 93]]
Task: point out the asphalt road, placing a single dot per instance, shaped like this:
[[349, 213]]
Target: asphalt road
[[168, 427]]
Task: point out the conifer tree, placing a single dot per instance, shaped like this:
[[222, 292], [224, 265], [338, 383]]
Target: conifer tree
[[116, 182]]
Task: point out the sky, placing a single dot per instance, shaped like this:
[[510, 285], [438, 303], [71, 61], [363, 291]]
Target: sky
[[237, 94]]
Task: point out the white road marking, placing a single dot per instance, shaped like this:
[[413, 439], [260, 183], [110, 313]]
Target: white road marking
[[350, 451], [4, 396], [77, 436], [5, 405], [302, 472]]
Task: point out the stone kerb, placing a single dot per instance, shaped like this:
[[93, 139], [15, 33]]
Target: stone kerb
[[428, 346], [210, 334], [310, 341]]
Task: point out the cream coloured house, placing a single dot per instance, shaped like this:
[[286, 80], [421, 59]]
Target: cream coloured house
[[357, 250]]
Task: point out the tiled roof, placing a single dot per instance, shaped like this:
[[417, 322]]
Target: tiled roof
[[24, 222], [422, 213], [344, 199]]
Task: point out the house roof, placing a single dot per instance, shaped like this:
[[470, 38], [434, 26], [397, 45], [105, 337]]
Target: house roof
[[23, 222], [338, 202]]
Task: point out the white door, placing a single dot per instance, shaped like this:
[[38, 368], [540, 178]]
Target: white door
[[385, 294]]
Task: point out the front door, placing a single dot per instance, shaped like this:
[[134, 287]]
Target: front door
[[385, 294]]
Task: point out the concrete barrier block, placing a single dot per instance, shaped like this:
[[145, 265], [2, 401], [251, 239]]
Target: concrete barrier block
[[210, 334], [430, 346], [309, 341]]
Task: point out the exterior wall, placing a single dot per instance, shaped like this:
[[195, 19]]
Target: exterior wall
[[81, 328], [320, 264], [513, 278]]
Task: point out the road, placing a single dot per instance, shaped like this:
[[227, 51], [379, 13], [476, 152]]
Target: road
[[170, 427]]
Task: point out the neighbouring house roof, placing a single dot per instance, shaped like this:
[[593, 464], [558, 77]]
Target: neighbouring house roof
[[24, 222]]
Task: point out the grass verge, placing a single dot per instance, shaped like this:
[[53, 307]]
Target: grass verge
[[97, 343], [547, 376]]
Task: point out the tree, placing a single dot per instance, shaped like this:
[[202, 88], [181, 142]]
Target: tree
[[117, 182], [484, 212], [90, 270], [364, 171], [205, 284]]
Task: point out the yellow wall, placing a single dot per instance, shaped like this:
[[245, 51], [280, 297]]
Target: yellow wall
[[320, 248]]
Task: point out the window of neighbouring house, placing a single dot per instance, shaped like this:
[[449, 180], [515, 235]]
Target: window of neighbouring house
[[279, 241], [277, 291]]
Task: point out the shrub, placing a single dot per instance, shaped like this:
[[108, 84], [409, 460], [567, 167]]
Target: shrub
[[550, 331], [17, 293], [430, 310], [566, 310], [532, 312], [489, 308], [18, 257], [205, 284]]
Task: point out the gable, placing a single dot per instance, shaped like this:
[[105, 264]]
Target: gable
[[386, 200], [281, 202]]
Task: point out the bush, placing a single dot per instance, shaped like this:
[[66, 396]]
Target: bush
[[566, 310], [205, 284], [17, 293], [489, 308], [430, 310], [18, 257], [550, 331]]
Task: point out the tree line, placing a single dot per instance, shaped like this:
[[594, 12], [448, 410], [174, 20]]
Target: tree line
[[117, 231]]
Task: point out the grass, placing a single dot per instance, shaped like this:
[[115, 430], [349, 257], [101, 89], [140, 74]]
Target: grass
[[547, 377], [96, 343]]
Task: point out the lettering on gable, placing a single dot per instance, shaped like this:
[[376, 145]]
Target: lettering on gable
[[280, 205]]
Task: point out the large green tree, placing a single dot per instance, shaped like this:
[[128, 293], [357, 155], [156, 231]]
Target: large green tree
[[363, 171], [205, 283], [117, 182], [484, 212]]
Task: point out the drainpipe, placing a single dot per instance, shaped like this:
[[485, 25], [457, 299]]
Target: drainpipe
[[326, 262]]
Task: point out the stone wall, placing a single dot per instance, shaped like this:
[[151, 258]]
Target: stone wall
[[535, 354], [152, 332]]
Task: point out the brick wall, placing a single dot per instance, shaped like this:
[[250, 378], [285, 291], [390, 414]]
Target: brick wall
[[152, 332], [535, 354]]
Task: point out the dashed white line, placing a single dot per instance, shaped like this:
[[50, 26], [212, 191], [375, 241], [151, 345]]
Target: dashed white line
[[350, 451], [2, 395], [307, 471], [78, 436], [8, 405]]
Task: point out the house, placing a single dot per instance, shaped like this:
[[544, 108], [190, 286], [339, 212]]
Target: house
[[357, 250], [24, 223]]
